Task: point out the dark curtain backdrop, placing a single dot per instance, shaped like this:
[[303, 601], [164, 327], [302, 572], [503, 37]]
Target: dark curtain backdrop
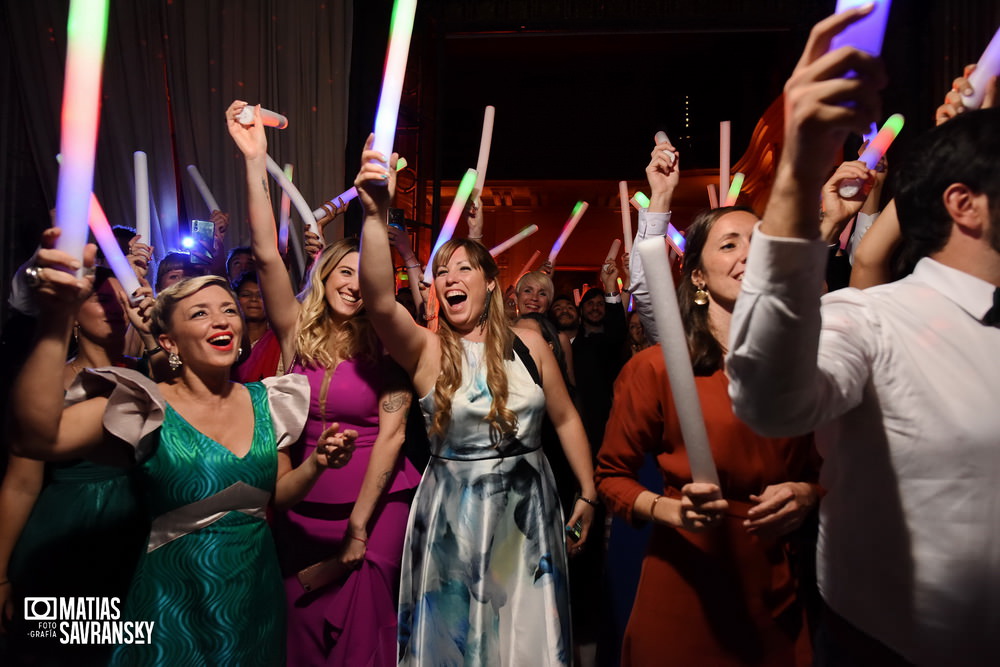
[[171, 69]]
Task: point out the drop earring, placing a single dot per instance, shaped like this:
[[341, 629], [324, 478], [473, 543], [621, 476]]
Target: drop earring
[[174, 361], [701, 296]]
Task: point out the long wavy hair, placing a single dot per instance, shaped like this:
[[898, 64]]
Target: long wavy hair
[[498, 344], [706, 353], [322, 341]]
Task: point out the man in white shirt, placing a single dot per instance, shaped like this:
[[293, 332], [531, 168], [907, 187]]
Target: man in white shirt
[[901, 382]]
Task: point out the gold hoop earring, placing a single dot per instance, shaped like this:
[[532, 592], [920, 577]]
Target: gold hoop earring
[[701, 296]]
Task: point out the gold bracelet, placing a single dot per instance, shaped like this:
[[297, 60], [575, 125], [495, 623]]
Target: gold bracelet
[[652, 508]]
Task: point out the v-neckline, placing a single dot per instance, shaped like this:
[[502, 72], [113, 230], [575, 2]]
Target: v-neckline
[[253, 431]]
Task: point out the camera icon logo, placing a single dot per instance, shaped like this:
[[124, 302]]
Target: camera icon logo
[[40, 609]]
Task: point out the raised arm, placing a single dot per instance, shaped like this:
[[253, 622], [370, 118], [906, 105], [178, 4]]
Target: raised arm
[[275, 283], [402, 337], [872, 259]]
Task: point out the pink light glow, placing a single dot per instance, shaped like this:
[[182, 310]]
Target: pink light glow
[[626, 215], [516, 238], [578, 211]]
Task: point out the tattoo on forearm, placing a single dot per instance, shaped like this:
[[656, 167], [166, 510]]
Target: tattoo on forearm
[[267, 190], [395, 401], [384, 479]]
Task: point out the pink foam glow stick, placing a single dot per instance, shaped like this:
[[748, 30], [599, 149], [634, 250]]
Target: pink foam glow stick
[[849, 187], [988, 66], [713, 198], [673, 344], [268, 117], [400, 29], [626, 215], [734, 189], [574, 219], [113, 254], [530, 263], [285, 214], [576, 296], [516, 238], [141, 170], [87, 30], [613, 251], [293, 193], [350, 193], [725, 128], [458, 206], [484, 150], [636, 205], [203, 190]]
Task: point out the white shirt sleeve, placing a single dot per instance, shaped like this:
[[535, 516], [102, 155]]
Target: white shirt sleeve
[[861, 227], [650, 225], [791, 367]]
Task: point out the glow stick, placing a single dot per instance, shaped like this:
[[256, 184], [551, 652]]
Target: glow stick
[[285, 215], [87, 31], [864, 34], [988, 66], [400, 28], [725, 128], [113, 254], [661, 138], [574, 219], [350, 193], [734, 189], [484, 149], [674, 346], [576, 296], [530, 263], [202, 186], [635, 204], [293, 193], [713, 198], [870, 134], [268, 117], [676, 240], [626, 215], [516, 238], [141, 169], [613, 251], [454, 213], [641, 199], [849, 187]]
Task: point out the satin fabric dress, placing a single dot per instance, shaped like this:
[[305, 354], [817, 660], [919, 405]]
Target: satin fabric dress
[[484, 570]]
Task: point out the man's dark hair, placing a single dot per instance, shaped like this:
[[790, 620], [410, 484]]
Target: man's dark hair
[[239, 250]]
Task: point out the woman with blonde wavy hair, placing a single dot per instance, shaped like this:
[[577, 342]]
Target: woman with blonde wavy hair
[[341, 546], [484, 569]]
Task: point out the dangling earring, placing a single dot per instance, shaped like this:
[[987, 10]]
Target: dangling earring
[[486, 308], [701, 296], [174, 361]]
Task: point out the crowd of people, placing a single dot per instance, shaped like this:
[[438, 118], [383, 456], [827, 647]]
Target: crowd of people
[[228, 451]]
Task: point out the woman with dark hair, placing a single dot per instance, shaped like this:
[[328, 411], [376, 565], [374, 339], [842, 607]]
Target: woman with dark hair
[[263, 350], [484, 569], [716, 587]]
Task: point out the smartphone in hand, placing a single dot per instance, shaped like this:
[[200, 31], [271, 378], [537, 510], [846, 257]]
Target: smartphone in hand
[[203, 235]]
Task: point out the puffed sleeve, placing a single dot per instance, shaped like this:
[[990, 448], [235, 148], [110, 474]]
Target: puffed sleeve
[[288, 399], [135, 408]]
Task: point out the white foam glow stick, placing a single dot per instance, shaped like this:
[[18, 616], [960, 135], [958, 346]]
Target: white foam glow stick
[[734, 189], [713, 198], [574, 219], [613, 251], [516, 238], [626, 215], [87, 31], [725, 128], [530, 263], [293, 193], [484, 150], [400, 29], [202, 186], [285, 214], [268, 117], [988, 66], [458, 206], [674, 346], [350, 193], [141, 169], [113, 254], [661, 137]]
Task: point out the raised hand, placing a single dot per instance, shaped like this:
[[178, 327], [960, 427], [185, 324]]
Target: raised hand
[[53, 275], [250, 139]]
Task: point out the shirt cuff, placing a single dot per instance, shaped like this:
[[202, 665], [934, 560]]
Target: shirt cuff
[[652, 224], [617, 298], [785, 266]]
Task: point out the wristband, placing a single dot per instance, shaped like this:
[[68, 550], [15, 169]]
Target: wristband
[[592, 503], [364, 542]]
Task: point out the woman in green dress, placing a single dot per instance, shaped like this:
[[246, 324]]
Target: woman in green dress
[[207, 459]]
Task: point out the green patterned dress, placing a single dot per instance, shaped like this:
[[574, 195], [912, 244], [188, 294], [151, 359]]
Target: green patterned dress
[[209, 577]]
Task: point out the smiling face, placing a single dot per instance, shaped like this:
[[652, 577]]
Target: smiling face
[[592, 310], [239, 263], [101, 317], [565, 314], [533, 296], [205, 329], [343, 294], [461, 288], [251, 302], [724, 258]]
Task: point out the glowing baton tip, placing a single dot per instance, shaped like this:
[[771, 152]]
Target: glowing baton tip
[[849, 187], [268, 117], [458, 205], [734, 189], [400, 30], [113, 255], [578, 210], [203, 190], [673, 345], [713, 197], [530, 263], [626, 215], [988, 66], [401, 164], [725, 132], [484, 147], [641, 199], [293, 193], [517, 238], [676, 239], [344, 197]]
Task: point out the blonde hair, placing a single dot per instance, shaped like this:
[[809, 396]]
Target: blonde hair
[[498, 344], [166, 302], [321, 341], [536, 278]]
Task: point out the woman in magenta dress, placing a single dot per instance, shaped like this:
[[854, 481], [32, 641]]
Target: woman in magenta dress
[[341, 546]]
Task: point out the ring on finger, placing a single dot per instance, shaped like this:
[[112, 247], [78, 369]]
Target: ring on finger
[[33, 276]]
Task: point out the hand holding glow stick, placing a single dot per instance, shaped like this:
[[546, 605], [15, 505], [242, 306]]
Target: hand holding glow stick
[[400, 29], [987, 67], [268, 117], [613, 251], [734, 189], [293, 193], [202, 186], [87, 30], [141, 169], [350, 193], [454, 213], [626, 215], [285, 214], [516, 238], [113, 254], [661, 138], [849, 187], [674, 346], [574, 219], [484, 150]]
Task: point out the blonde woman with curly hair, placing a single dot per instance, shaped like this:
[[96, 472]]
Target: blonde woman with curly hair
[[484, 569], [341, 546]]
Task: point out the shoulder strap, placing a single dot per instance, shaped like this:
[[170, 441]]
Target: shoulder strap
[[522, 351]]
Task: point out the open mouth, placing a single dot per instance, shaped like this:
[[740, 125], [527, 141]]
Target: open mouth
[[223, 341], [455, 298], [349, 298]]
